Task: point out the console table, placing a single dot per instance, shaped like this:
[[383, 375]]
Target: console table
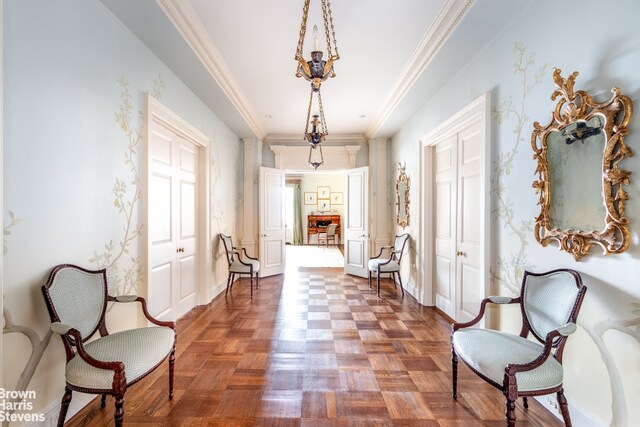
[[318, 224]]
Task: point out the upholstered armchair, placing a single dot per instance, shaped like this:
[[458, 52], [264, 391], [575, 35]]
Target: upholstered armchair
[[517, 366], [329, 234], [77, 302], [379, 265], [238, 265]]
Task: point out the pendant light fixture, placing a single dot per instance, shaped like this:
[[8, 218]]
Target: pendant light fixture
[[317, 70], [318, 131]]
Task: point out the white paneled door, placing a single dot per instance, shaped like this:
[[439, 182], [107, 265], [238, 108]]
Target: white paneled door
[[172, 205], [356, 235], [272, 221], [458, 191]]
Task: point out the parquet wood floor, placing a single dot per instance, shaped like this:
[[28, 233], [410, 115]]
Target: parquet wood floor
[[314, 347]]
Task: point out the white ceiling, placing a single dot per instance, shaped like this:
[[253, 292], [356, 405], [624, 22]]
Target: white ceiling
[[238, 56]]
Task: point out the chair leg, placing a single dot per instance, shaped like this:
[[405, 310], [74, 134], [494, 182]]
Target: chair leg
[[369, 279], [400, 281], [454, 373], [64, 407], [525, 402], [511, 393], [257, 281], [119, 415], [228, 283], [378, 281], [251, 280], [511, 412], [103, 401], [172, 363], [564, 408]]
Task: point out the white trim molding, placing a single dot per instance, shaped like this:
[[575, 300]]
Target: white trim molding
[[477, 111], [331, 139], [156, 112], [184, 18], [296, 157], [447, 21]]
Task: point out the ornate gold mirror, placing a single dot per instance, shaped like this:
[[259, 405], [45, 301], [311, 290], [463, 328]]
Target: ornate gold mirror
[[579, 181], [402, 190]]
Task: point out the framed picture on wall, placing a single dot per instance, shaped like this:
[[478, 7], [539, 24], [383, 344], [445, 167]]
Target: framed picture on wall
[[324, 205], [310, 198], [324, 192], [336, 198]]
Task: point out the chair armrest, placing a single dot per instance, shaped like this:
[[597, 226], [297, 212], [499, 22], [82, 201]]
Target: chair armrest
[[500, 300], [380, 253], [63, 329], [483, 305], [565, 330], [143, 303], [247, 255], [562, 331]]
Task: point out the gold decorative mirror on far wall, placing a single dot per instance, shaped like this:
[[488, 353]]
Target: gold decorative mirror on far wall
[[402, 190], [579, 181]]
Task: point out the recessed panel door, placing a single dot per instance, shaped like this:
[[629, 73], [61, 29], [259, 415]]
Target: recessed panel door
[[356, 235], [272, 221]]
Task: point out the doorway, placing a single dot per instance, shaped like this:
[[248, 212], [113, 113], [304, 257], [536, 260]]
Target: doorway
[[176, 208], [319, 202], [455, 212]]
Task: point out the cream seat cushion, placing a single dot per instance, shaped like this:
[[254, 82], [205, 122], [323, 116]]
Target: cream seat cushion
[[392, 266], [489, 352], [139, 349], [237, 267]]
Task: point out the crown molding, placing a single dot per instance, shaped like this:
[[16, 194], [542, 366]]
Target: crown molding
[[331, 139], [183, 17], [444, 25]]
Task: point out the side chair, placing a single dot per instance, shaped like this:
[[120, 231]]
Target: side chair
[[77, 302], [329, 234], [237, 265], [391, 264], [515, 365]]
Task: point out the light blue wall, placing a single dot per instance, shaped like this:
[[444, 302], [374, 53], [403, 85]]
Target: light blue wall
[[64, 150], [602, 42]]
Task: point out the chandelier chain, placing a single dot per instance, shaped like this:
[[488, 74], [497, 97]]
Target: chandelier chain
[[303, 29], [306, 129], [323, 121], [333, 33]]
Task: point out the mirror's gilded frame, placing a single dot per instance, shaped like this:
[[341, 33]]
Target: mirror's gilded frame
[[402, 203], [579, 106]]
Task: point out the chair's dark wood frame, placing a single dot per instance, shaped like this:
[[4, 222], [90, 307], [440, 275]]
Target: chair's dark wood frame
[[73, 339], [392, 257], [235, 251], [553, 340]]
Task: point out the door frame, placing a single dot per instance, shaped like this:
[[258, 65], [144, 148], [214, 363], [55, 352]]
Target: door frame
[[155, 111], [477, 111]]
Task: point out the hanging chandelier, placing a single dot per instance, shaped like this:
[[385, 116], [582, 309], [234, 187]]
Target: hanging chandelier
[[318, 131], [317, 70]]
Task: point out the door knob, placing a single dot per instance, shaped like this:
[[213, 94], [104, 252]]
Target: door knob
[[460, 253], [180, 250]]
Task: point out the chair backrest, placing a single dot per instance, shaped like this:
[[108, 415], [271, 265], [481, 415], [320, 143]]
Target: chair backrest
[[398, 246], [551, 299], [228, 247], [77, 297], [331, 229]]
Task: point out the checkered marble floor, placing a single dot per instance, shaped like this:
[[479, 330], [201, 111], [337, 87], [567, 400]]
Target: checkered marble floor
[[314, 347]]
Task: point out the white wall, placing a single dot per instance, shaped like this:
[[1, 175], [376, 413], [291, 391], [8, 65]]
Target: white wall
[[74, 79], [602, 373]]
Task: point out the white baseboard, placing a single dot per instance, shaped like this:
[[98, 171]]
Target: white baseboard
[[578, 417], [51, 412]]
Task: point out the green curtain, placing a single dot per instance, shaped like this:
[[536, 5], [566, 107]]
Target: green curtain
[[297, 215]]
